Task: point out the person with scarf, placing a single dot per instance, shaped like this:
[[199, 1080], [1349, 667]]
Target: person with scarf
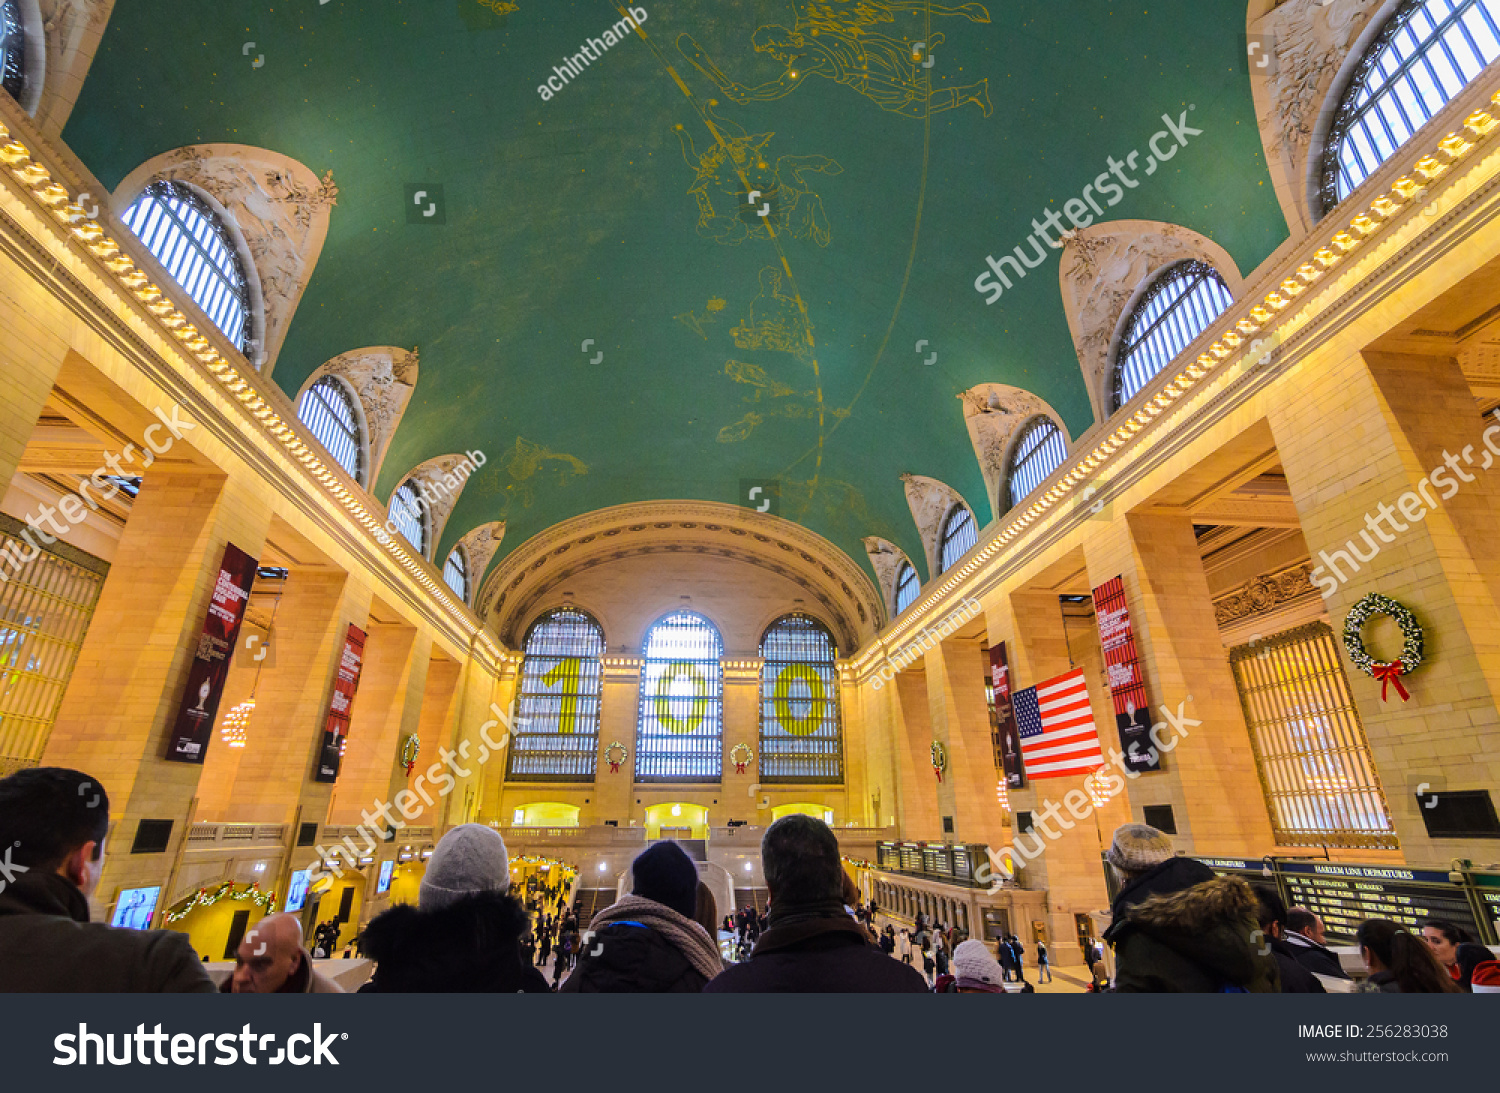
[[811, 943], [650, 942]]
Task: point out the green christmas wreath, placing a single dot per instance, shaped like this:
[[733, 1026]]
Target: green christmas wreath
[[1412, 645]]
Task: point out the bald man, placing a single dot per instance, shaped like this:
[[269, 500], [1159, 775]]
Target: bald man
[[271, 960]]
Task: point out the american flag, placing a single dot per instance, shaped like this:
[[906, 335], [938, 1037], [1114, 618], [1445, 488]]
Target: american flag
[[1058, 737]]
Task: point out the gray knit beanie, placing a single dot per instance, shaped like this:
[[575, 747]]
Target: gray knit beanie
[[468, 860]]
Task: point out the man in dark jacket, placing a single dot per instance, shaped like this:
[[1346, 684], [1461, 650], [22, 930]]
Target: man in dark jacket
[[1304, 937], [1272, 919], [1180, 928], [52, 826], [649, 942], [811, 944], [464, 934]]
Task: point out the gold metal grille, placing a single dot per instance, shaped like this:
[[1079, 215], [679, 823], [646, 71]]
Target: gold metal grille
[[46, 602], [1310, 748]]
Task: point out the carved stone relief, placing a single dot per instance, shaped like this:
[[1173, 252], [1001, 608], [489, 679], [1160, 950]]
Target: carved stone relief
[[930, 502], [72, 29], [1265, 593], [1103, 268], [440, 482], [993, 414], [1300, 47], [383, 378], [886, 558], [479, 548], [280, 207]]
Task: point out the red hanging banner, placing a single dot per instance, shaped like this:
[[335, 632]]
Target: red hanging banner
[[194, 726], [1127, 687], [341, 706]]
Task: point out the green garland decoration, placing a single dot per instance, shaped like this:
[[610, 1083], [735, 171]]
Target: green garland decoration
[[1413, 647]]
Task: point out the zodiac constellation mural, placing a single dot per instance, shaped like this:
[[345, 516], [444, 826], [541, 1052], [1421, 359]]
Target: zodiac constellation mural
[[833, 40], [789, 204]]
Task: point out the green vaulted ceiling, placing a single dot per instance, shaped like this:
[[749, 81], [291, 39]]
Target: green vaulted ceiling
[[735, 347]]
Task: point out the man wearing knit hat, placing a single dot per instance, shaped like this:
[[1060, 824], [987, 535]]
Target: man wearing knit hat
[[649, 942], [465, 933], [976, 970], [1178, 927]]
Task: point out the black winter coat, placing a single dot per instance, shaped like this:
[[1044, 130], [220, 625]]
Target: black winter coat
[[47, 943], [1295, 979], [831, 956], [471, 946], [1314, 957], [1180, 928], [632, 959]]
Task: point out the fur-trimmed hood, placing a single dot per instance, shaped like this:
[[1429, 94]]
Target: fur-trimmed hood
[[1199, 909], [473, 944], [1203, 937]]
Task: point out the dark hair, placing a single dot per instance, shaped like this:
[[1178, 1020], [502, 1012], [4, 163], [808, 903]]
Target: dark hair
[[1300, 919], [1271, 909], [1406, 957], [1454, 935], [46, 813], [800, 857], [1470, 956]]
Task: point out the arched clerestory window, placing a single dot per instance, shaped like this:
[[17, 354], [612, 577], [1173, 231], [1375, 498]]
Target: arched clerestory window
[[1427, 52], [193, 244], [680, 731], [960, 533], [409, 516], [12, 50], [556, 734], [329, 410], [907, 587], [1182, 302], [456, 573], [1039, 450], [800, 739]]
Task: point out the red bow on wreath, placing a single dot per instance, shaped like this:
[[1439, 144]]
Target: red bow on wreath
[[614, 768], [739, 768], [939, 772], [1388, 674]]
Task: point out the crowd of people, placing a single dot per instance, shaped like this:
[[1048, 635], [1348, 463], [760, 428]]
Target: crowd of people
[[1176, 927]]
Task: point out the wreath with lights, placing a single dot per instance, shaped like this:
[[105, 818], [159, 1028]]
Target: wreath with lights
[[409, 749], [939, 758], [614, 755], [1412, 644], [741, 756]]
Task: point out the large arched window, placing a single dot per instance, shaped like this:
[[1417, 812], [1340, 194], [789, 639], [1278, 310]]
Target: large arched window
[[456, 574], [196, 249], [960, 533], [1181, 303], [1427, 52], [1039, 451], [907, 587], [681, 728], [409, 516], [327, 408], [12, 50], [556, 734], [799, 703]]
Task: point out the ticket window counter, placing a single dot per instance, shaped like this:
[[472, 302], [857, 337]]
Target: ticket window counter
[[996, 923]]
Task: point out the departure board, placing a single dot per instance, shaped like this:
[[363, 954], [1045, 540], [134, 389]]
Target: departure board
[[1343, 896], [1488, 886]]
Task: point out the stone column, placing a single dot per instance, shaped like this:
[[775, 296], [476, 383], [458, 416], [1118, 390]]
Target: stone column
[[126, 687], [956, 670], [919, 815], [1382, 510], [1209, 777], [385, 708]]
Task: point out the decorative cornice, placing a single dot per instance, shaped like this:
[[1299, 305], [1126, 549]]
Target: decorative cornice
[[1265, 593]]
